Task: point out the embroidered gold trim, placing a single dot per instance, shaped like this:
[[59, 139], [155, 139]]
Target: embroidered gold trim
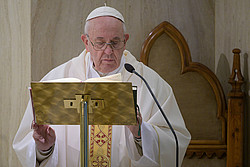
[[100, 145]]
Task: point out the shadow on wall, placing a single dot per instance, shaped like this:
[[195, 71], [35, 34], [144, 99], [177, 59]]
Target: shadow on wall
[[223, 73], [247, 115]]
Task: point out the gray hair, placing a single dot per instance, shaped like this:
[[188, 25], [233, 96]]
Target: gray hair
[[87, 26]]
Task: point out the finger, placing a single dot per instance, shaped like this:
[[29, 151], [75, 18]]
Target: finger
[[42, 130], [138, 112], [43, 127], [34, 125], [38, 138], [139, 119], [36, 135], [51, 137], [50, 131]]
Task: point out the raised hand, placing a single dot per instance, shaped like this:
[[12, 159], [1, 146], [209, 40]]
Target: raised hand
[[44, 136]]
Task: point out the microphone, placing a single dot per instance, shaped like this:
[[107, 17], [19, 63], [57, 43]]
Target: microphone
[[131, 69]]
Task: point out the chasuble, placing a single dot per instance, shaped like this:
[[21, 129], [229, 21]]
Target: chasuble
[[112, 145]]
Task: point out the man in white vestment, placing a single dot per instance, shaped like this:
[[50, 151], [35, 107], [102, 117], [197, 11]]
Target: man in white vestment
[[150, 143]]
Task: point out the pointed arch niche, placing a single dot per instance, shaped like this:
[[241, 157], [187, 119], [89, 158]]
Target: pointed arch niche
[[196, 88]]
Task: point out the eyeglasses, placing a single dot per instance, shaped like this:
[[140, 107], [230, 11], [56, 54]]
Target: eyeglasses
[[100, 46]]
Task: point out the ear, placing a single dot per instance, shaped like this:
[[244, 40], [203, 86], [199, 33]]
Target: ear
[[126, 37], [85, 41]]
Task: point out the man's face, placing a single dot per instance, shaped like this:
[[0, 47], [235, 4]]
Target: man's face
[[109, 30]]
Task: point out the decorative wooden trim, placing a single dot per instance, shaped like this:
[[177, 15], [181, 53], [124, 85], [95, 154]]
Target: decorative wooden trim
[[235, 115], [206, 150], [202, 147]]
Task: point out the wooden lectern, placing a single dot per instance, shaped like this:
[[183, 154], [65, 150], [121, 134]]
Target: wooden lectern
[[79, 103]]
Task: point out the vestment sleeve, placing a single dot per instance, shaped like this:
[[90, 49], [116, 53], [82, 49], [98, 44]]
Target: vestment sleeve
[[24, 144], [150, 148]]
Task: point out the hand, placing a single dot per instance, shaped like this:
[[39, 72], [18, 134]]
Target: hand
[[44, 136], [136, 128]]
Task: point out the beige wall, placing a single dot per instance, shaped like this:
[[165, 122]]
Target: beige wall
[[57, 26], [15, 72], [232, 30], [36, 36]]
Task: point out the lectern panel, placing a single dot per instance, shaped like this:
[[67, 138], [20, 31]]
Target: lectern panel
[[117, 103]]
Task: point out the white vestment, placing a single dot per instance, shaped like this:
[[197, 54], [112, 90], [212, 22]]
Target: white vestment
[[158, 143]]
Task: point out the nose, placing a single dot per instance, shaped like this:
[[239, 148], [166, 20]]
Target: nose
[[108, 50]]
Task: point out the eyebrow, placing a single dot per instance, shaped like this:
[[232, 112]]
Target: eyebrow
[[101, 38]]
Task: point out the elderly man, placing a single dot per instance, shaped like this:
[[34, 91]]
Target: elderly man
[[105, 40]]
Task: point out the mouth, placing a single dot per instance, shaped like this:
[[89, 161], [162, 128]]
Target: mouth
[[108, 60]]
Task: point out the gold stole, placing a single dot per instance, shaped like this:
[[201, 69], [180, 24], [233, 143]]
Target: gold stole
[[100, 145]]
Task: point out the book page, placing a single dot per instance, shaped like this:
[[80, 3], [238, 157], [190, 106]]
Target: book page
[[110, 78], [64, 80]]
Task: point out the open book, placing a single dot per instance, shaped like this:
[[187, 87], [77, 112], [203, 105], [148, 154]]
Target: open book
[[110, 78], [118, 101]]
